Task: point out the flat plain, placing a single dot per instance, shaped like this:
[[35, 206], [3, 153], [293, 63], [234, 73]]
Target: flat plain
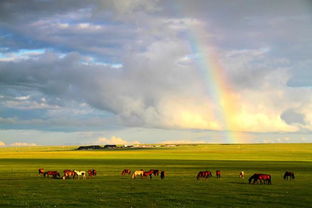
[[21, 186]]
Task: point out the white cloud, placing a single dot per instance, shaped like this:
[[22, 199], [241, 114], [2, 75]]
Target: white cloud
[[183, 142], [115, 140], [2, 144], [22, 144]]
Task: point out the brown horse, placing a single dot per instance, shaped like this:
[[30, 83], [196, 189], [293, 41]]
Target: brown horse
[[260, 178], [218, 174], [148, 173], [203, 174], [289, 175], [126, 171], [69, 173], [41, 171], [92, 172], [54, 174]]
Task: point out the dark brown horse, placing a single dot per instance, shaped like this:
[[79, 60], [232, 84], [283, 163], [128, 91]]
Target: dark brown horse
[[203, 174], [289, 175], [92, 172], [126, 171], [69, 173], [155, 172], [260, 178], [54, 174], [41, 171], [218, 173]]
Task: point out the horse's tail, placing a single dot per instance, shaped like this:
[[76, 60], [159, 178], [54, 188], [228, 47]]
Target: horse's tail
[[133, 176]]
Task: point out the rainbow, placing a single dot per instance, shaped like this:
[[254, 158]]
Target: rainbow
[[216, 83]]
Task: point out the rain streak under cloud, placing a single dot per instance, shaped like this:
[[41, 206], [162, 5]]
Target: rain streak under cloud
[[74, 72]]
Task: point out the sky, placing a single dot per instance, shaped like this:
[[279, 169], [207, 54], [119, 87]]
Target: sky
[[135, 71]]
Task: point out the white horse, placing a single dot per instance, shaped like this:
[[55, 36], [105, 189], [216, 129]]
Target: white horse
[[242, 174], [80, 173], [137, 173]]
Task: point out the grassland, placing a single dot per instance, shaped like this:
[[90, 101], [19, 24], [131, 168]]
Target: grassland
[[20, 186]]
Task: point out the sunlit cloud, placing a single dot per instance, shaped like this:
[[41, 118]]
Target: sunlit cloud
[[115, 140]]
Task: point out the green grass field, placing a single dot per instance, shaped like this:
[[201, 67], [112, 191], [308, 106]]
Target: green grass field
[[21, 186]]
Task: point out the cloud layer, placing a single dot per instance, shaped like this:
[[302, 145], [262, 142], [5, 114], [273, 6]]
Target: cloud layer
[[121, 64]]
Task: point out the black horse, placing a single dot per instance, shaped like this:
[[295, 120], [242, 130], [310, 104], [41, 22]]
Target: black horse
[[289, 175]]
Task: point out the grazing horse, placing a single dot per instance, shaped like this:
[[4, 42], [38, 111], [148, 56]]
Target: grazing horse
[[80, 173], [289, 175], [203, 174], [137, 173], [41, 171], [218, 174], [148, 173], [54, 174], [92, 172], [242, 174], [162, 175], [68, 173], [261, 178], [126, 171]]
